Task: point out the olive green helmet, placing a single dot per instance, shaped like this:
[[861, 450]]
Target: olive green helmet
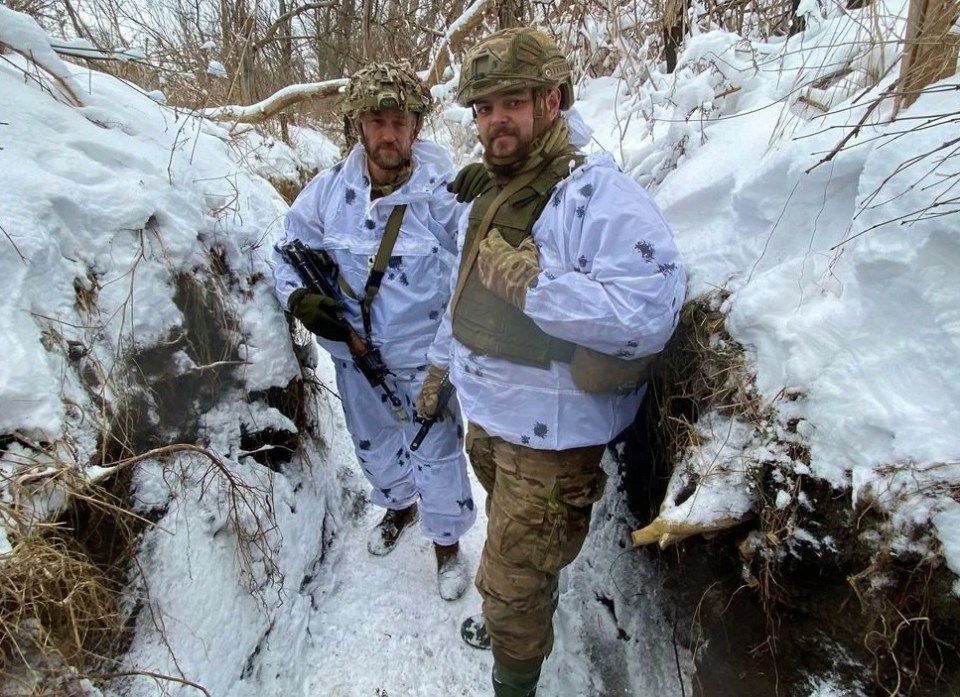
[[384, 86], [511, 58]]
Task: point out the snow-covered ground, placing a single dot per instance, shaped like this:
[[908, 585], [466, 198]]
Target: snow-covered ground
[[843, 292]]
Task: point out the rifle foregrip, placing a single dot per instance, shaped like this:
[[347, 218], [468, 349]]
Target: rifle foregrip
[[422, 433]]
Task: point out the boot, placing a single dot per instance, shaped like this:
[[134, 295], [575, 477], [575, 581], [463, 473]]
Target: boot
[[474, 632], [453, 576], [383, 538], [509, 682]]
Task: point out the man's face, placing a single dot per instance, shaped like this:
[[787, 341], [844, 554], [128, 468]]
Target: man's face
[[505, 124], [388, 136]]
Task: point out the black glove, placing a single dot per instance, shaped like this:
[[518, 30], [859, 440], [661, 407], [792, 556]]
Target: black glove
[[318, 313], [470, 182]]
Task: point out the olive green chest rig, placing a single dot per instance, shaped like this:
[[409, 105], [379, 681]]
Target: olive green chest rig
[[482, 321]]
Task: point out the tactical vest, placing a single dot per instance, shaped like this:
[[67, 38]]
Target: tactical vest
[[481, 320]]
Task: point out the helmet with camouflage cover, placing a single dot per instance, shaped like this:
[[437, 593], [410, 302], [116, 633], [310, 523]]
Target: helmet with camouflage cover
[[384, 86], [512, 58]]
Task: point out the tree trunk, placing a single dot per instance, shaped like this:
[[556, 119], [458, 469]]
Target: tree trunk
[[366, 29], [673, 31], [509, 13], [930, 50], [286, 61]]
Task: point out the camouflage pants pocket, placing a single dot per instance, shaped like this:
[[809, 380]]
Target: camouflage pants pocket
[[545, 528], [567, 517], [480, 452]]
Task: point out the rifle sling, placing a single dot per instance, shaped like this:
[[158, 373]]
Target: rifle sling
[[380, 262]]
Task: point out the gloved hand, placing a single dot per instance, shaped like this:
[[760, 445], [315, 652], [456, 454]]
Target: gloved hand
[[426, 405], [508, 270], [469, 182], [318, 314]]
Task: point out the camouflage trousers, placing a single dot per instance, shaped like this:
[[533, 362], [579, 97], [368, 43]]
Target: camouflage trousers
[[538, 514]]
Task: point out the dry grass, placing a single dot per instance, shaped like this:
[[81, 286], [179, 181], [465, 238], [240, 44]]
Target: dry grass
[[703, 369], [55, 605], [61, 583], [59, 596]]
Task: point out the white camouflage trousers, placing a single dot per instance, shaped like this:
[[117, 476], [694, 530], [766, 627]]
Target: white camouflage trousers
[[434, 476]]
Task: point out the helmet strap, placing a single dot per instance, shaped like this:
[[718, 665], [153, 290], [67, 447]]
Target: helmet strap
[[539, 103], [542, 120]]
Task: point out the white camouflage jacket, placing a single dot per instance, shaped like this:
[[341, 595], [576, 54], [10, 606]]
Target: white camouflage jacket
[[334, 212], [611, 279]]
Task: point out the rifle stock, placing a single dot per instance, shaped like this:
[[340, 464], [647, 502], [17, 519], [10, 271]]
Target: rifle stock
[[322, 279]]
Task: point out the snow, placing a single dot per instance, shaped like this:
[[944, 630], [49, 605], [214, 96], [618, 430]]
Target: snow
[[22, 32], [841, 284], [217, 69]]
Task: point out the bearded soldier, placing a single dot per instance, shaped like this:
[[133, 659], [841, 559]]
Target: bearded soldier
[[385, 218], [568, 279]]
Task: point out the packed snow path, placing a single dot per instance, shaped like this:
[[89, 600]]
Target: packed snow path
[[377, 626]]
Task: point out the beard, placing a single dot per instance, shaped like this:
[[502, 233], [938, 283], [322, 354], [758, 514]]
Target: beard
[[512, 149], [504, 156], [388, 157]]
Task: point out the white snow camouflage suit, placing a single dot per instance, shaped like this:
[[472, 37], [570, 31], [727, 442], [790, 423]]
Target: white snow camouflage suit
[[334, 212]]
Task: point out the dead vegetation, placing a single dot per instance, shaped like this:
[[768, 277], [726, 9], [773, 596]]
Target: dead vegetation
[[60, 586], [68, 534], [701, 373], [809, 576]]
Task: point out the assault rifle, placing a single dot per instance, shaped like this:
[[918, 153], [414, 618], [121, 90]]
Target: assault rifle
[[319, 274], [426, 423]]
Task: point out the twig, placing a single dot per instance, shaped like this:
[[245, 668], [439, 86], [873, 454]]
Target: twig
[[676, 655], [14, 244], [856, 129], [150, 674], [215, 364]]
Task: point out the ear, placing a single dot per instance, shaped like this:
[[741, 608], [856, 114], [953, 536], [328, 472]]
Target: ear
[[552, 101]]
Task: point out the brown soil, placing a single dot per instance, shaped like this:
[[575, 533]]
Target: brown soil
[[791, 617]]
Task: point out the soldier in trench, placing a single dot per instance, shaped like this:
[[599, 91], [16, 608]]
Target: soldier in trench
[[388, 200], [567, 281]]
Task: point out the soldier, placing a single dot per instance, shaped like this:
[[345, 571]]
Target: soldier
[[568, 279], [383, 214]]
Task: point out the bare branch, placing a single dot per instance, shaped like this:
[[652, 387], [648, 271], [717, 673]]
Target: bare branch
[[459, 29], [150, 674], [282, 19], [856, 129], [277, 102]]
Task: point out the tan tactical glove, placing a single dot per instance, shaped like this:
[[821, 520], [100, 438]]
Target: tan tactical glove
[[427, 399], [508, 270]]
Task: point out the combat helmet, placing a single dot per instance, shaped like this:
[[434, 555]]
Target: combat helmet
[[511, 58], [383, 86]]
